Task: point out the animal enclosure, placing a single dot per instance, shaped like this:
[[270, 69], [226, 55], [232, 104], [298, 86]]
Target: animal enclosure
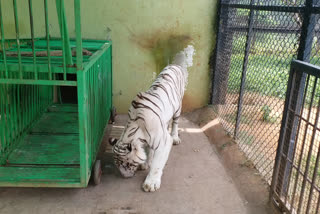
[[45, 140], [257, 41]]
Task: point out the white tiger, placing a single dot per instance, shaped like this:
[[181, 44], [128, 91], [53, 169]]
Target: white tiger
[[147, 126]]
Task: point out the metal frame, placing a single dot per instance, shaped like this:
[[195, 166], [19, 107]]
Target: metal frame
[[32, 75], [291, 124], [304, 51], [66, 63], [297, 9]]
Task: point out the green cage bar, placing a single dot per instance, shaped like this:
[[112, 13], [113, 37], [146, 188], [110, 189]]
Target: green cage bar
[[44, 143]]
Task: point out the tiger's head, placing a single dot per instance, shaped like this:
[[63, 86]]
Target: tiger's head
[[129, 151]]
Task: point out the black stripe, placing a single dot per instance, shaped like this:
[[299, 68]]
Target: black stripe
[[172, 93], [165, 90], [129, 117], [156, 96], [175, 116], [132, 129], [135, 162], [165, 76], [158, 145], [159, 85], [143, 140], [118, 150], [140, 96], [180, 74], [136, 105], [122, 155], [132, 133], [137, 118], [181, 79], [148, 132], [140, 158]]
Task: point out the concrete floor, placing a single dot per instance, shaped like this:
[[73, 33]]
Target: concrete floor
[[194, 181]]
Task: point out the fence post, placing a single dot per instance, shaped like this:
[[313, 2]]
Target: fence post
[[223, 43], [244, 67]]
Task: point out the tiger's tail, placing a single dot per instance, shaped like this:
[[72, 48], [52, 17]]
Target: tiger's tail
[[184, 59]]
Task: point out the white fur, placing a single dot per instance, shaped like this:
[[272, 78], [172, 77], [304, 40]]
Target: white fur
[[157, 106]]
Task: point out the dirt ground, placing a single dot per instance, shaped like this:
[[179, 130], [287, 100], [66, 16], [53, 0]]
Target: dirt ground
[[258, 136], [200, 177]]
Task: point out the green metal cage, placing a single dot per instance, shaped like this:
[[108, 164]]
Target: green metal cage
[[45, 142]]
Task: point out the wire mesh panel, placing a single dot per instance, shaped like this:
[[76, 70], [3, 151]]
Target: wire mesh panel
[[314, 55], [266, 77], [257, 41], [230, 61]]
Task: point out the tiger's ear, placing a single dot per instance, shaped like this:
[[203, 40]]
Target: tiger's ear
[[113, 141]]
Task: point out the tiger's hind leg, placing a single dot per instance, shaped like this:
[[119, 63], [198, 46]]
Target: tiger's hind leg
[[160, 157], [174, 131]]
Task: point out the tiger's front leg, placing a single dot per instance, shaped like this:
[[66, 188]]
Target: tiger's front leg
[[160, 157]]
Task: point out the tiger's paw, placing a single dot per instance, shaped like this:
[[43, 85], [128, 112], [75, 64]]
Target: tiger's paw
[[143, 166], [176, 140], [151, 185]]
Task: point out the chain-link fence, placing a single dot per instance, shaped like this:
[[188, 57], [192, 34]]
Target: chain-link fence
[[257, 40]]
